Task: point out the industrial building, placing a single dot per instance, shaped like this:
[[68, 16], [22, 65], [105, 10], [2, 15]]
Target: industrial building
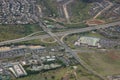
[[17, 70], [88, 41]]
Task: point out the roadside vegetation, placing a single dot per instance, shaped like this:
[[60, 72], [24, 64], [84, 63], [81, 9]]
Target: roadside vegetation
[[8, 32], [50, 7], [37, 42], [59, 74], [69, 40], [105, 63], [73, 26]]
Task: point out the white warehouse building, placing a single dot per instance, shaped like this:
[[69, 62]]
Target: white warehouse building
[[89, 41]]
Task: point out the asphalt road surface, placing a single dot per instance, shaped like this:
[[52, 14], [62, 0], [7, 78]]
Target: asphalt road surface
[[60, 33], [70, 51]]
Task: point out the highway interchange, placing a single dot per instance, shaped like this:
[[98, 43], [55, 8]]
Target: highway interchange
[[61, 42], [65, 33], [70, 51]]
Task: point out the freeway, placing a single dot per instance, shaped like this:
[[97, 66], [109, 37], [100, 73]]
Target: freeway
[[59, 33]]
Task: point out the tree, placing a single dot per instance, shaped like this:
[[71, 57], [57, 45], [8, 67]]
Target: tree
[[53, 77]]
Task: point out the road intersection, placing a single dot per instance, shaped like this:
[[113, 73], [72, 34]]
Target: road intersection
[[61, 42], [65, 33]]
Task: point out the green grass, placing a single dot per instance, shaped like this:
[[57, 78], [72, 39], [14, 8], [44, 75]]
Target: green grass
[[71, 39], [41, 76], [49, 40], [51, 7], [8, 32], [78, 25], [102, 63], [85, 75], [36, 42], [94, 34], [59, 73], [80, 11]]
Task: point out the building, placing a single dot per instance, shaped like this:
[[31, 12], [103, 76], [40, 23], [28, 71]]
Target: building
[[89, 41], [117, 77], [17, 70]]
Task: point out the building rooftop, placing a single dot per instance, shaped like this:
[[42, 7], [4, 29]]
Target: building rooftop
[[90, 41]]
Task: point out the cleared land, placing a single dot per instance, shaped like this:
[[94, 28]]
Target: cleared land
[[105, 63], [95, 22]]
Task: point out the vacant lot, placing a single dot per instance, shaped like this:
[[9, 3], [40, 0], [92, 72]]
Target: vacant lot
[[105, 63], [95, 22]]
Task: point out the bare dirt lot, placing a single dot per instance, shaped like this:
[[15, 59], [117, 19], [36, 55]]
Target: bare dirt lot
[[95, 22]]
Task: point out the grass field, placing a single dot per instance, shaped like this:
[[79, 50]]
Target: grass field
[[105, 63], [79, 11], [79, 25], [71, 39], [92, 34], [62, 72], [47, 75], [8, 32], [50, 7], [49, 40]]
